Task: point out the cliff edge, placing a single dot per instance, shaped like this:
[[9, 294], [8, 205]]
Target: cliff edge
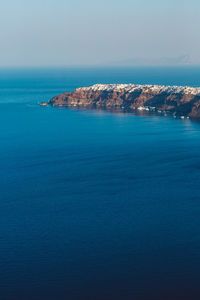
[[177, 100]]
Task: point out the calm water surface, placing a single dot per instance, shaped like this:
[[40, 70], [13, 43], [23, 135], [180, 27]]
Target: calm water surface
[[96, 205]]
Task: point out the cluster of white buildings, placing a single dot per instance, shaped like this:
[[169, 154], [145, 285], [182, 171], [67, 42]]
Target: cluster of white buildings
[[156, 89]]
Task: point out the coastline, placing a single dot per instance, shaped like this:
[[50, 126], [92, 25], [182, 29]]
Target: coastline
[[177, 101]]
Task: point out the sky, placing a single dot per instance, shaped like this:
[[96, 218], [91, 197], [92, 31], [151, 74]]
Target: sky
[[94, 32]]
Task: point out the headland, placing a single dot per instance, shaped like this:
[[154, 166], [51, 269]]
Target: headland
[[179, 101]]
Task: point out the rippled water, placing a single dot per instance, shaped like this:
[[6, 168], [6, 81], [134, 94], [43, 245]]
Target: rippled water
[[96, 205]]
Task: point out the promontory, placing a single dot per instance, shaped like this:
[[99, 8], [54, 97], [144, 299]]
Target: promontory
[[179, 101]]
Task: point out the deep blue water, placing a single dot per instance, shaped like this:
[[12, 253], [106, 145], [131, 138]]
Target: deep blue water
[[96, 205]]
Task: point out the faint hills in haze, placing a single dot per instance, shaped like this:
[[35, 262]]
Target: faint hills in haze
[[162, 61]]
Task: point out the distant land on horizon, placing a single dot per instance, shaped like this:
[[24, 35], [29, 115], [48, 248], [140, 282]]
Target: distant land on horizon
[[165, 61], [182, 60]]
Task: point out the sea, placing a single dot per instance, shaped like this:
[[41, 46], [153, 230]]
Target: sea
[[96, 205]]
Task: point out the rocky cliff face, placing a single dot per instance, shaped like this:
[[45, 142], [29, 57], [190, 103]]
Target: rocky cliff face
[[180, 101]]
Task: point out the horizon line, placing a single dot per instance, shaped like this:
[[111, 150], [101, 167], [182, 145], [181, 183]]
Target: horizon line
[[97, 66]]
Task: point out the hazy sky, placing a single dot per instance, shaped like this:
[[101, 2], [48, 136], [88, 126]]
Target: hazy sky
[[90, 32]]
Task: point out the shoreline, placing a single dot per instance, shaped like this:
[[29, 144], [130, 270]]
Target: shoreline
[[178, 101], [125, 112]]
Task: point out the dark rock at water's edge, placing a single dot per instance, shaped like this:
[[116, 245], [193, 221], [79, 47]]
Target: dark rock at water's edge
[[176, 100]]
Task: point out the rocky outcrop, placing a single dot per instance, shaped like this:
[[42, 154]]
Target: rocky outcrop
[[43, 103], [176, 100]]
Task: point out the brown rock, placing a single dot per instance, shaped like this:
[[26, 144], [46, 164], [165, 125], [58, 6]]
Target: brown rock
[[182, 101]]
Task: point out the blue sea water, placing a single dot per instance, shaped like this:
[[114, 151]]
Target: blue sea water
[[96, 205]]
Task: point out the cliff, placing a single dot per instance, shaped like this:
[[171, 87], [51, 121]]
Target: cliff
[[176, 100]]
